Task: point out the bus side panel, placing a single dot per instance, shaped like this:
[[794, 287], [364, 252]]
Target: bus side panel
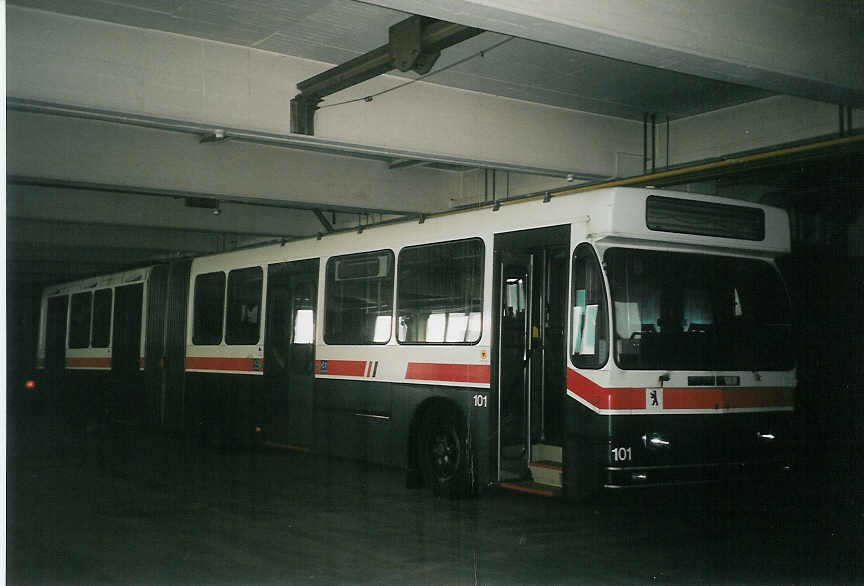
[[586, 449], [374, 421], [222, 407], [354, 419], [473, 404]]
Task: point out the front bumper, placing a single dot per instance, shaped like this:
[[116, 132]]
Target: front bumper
[[621, 477]]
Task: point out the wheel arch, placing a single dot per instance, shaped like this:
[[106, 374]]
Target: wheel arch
[[415, 477]]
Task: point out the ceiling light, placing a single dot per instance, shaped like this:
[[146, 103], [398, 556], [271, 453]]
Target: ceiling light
[[217, 135]]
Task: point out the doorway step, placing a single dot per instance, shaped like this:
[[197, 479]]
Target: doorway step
[[545, 465], [545, 470]]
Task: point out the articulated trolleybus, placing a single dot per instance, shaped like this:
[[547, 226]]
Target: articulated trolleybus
[[618, 338]]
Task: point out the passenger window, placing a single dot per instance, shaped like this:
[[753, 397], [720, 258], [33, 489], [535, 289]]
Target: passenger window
[[208, 308], [244, 306], [303, 339], [79, 320], [589, 338], [359, 298], [101, 319], [440, 293]]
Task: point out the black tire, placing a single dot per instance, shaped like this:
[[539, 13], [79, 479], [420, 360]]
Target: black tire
[[444, 454]]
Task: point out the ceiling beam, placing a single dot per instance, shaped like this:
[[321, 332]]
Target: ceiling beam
[[36, 232], [98, 254], [58, 269], [193, 195], [406, 163], [812, 51]]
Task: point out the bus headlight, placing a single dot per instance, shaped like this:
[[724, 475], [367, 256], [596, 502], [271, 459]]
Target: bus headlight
[[765, 437], [654, 441]]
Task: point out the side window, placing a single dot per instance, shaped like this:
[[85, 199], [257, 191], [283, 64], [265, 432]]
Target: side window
[[243, 319], [359, 298], [440, 293], [208, 308], [101, 319], [589, 337], [303, 334], [79, 320]]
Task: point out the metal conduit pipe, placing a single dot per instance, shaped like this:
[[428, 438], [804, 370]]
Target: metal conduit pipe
[[667, 142], [645, 142], [653, 142]]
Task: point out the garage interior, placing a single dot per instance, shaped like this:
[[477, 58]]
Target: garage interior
[[139, 131]]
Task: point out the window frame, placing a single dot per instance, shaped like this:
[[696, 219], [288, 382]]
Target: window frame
[[195, 315], [107, 339], [69, 338], [592, 257], [227, 306], [482, 276], [327, 291]]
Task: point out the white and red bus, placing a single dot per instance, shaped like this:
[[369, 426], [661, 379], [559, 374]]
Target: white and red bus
[[617, 338]]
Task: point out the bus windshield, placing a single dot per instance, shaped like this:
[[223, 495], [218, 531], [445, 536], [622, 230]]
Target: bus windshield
[[682, 311]]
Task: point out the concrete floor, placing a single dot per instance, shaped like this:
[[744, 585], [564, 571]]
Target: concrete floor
[[116, 506]]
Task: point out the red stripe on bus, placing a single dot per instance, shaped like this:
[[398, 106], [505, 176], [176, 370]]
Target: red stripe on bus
[[216, 363], [730, 398], [88, 362], [341, 367], [456, 373], [680, 398], [621, 398]]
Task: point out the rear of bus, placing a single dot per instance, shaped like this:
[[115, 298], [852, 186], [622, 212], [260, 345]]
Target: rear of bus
[[681, 366]]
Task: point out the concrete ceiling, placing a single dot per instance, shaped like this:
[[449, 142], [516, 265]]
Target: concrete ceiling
[[334, 31]]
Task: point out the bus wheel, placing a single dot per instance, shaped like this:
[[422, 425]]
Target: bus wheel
[[444, 460]]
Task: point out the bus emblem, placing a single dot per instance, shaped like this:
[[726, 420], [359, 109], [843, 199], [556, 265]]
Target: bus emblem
[[654, 399]]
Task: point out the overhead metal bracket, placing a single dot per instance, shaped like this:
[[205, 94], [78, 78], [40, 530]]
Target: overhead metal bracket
[[328, 227], [414, 45], [406, 47]]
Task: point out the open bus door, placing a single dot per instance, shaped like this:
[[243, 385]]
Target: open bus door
[[287, 415], [531, 282]]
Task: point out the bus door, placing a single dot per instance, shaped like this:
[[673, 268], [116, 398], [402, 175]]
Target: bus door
[[126, 387], [287, 415], [531, 281], [55, 345]]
